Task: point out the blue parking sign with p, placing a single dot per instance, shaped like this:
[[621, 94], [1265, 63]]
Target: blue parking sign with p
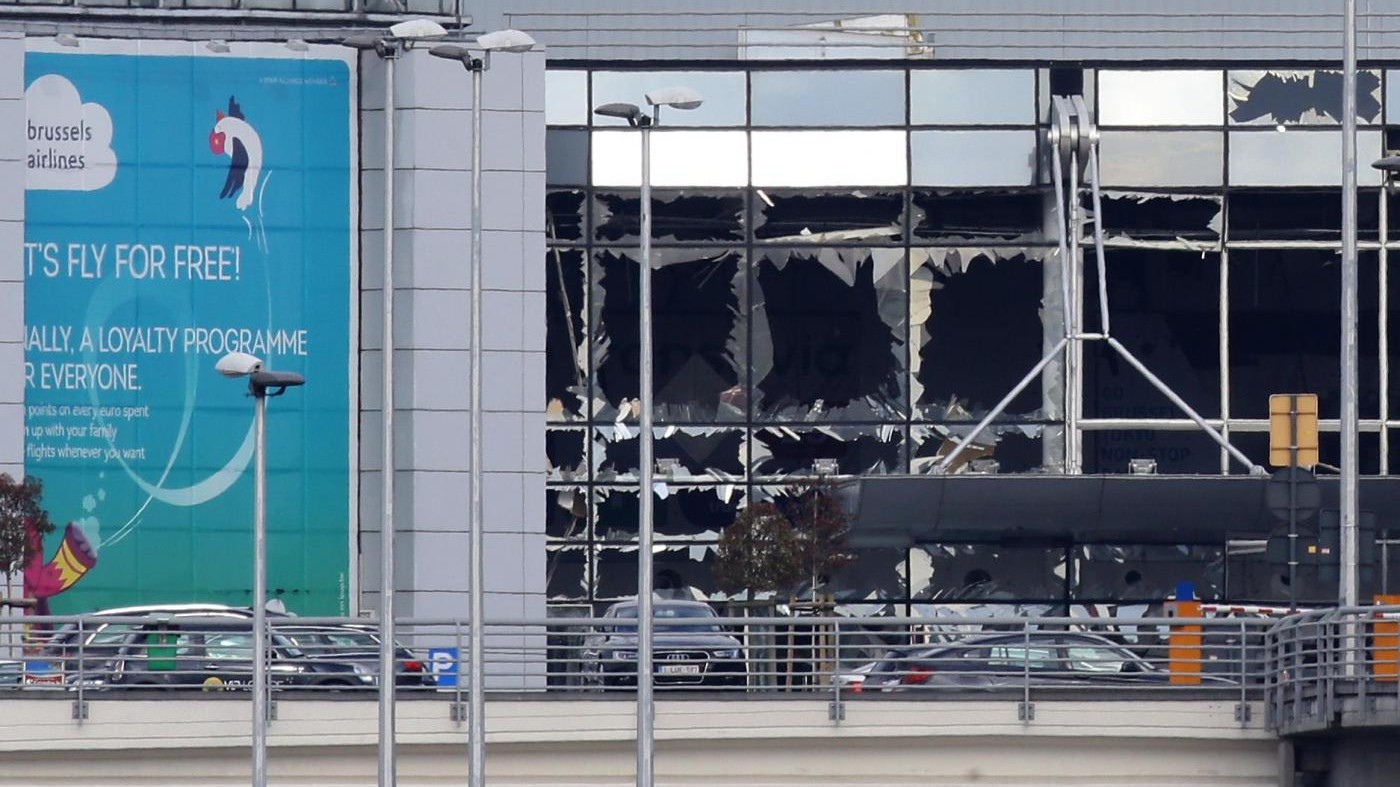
[[444, 664]]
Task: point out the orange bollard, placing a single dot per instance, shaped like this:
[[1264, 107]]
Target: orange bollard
[[1184, 644], [1385, 643]]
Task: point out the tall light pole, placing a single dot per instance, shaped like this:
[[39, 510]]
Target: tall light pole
[[679, 98], [1350, 589], [500, 41], [389, 48], [261, 385]]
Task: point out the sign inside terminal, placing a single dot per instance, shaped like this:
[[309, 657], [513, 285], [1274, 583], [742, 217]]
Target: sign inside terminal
[[181, 206]]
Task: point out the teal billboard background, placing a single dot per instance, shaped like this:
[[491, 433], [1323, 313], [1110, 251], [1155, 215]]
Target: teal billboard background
[[178, 208]]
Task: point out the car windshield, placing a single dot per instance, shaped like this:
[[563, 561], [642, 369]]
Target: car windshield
[[662, 613], [322, 642]]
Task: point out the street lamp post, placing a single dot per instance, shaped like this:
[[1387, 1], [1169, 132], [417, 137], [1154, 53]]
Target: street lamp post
[[499, 41], [679, 98], [389, 48], [261, 385]]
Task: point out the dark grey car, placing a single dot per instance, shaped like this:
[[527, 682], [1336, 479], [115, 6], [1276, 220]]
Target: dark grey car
[[694, 654]]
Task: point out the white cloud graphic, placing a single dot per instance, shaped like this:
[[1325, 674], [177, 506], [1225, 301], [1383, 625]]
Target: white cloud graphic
[[68, 143]]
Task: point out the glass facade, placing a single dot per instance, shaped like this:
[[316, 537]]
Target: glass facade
[[854, 263]]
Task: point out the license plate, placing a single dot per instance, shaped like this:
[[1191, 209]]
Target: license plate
[[678, 669]]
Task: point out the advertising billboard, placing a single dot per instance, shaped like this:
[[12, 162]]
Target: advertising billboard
[[181, 205]]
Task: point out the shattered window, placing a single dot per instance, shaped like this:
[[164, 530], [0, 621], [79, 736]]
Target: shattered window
[[994, 572], [830, 158], [793, 451], [1285, 98], [566, 513], [566, 157], [1161, 158], [827, 98], [1000, 448], [565, 97], [1160, 98], [683, 453], [678, 158], [1165, 309], [953, 216], [976, 329], [973, 158], [823, 217], [566, 573], [1137, 572], [686, 216], [698, 332], [1299, 214], [1299, 157], [723, 92], [972, 96], [829, 334], [689, 513], [1285, 329], [566, 450], [679, 571], [1159, 216], [564, 216], [566, 330]]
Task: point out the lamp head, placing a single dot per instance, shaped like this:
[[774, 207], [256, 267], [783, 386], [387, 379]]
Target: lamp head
[[417, 28], [1389, 164], [505, 41], [676, 97], [628, 112], [237, 364], [451, 52]]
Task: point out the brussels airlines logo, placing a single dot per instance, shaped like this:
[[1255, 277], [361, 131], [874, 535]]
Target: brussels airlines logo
[[69, 142], [235, 137]]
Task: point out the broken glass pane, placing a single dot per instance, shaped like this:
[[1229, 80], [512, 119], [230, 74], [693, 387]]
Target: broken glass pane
[[1285, 329], [566, 513], [566, 157], [1298, 158], [976, 330], [1283, 97], [827, 98], [830, 158], [1176, 452], [1165, 309], [566, 573], [724, 93], [1137, 572], [1153, 159], [566, 450], [1160, 98], [699, 453], [1014, 448], [792, 452], [679, 158], [566, 331], [829, 334], [829, 217], [957, 96], [1299, 214], [978, 215], [698, 330], [685, 513], [564, 219], [683, 571], [994, 572], [565, 97], [979, 157], [676, 216], [1158, 216]]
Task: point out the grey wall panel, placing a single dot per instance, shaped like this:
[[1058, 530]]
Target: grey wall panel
[[12, 173]]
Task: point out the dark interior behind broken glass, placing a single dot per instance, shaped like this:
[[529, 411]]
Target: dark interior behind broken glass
[[863, 217], [686, 216], [1299, 214], [1158, 216], [566, 373], [978, 215]]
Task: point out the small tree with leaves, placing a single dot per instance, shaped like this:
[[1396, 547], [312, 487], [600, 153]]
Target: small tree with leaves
[[23, 521], [822, 525], [760, 552]]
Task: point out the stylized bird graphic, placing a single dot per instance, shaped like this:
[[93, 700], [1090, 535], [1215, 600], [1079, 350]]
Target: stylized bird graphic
[[235, 137]]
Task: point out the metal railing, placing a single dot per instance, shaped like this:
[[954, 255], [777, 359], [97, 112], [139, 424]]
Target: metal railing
[[1335, 667], [107, 656]]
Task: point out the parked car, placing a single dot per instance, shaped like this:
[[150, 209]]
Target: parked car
[[358, 644], [683, 655], [1047, 658], [214, 653]]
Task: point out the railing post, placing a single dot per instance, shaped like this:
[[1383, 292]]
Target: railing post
[[1026, 711]]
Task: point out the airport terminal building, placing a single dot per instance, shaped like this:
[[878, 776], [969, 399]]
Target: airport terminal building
[[878, 231]]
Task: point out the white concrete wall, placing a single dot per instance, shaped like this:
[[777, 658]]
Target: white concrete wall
[[746, 743], [432, 304]]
